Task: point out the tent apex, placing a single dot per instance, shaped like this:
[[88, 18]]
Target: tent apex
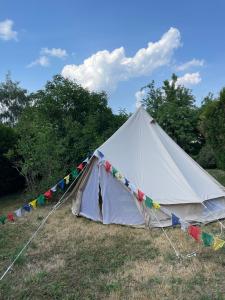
[[142, 111]]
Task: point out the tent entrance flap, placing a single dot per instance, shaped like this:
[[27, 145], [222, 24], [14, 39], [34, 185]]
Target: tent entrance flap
[[119, 205], [90, 197]]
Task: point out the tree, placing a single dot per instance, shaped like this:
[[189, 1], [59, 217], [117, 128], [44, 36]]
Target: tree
[[212, 125], [10, 179], [13, 99], [64, 124], [173, 107]]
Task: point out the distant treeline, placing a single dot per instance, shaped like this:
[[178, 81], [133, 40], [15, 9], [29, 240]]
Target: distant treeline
[[44, 134]]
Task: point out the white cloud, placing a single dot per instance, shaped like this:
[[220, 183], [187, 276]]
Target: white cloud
[[41, 61], [189, 79], [56, 52], [189, 64], [6, 31], [103, 70], [140, 95]]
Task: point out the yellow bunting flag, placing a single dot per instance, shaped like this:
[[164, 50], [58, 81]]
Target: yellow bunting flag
[[156, 205], [218, 243], [119, 176], [33, 203], [67, 179]]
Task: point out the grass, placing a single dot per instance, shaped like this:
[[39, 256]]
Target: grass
[[74, 258]]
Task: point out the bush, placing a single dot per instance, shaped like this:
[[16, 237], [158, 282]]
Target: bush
[[10, 179], [206, 157]]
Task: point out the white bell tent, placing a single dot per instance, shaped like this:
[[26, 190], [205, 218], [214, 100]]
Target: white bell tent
[[147, 159]]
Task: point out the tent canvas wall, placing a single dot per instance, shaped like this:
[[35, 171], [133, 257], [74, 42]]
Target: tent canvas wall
[[154, 163]]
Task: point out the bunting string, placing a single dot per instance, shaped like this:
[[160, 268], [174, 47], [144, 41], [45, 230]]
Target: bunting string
[[146, 202], [55, 207], [42, 199], [166, 235]]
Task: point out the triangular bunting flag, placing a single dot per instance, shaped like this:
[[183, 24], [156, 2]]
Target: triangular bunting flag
[[119, 176], [114, 171], [195, 232], [218, 243], [156, 205], [126, 182], [140, 195], [132, 188], [100, 154], [61, 184], [74, 173], [107, 166], [33, 203], [48, 194], [41, 200], [10, 217], [80, 167], [67, 179], [27, 207], [54, 188], [148, 202], [2, 219], [184, 225], [86, 160], [207, 239], [19, 212], [175, 220]]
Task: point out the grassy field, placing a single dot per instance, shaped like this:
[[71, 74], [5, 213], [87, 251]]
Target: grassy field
[[74, 258]]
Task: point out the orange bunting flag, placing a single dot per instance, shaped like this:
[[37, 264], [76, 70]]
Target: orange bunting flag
[[107, 166], [48, 194], [140, 196], [195, 232], [218, 243], [10, 217]]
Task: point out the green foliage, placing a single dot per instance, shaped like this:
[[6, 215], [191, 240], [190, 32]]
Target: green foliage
[[218, 174], [10, 179], [39, 149], [206, 157], [173, 108], [65, 123], [13, 99], [212, 125]]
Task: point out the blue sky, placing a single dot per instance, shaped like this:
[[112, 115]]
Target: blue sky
[[41, 38]]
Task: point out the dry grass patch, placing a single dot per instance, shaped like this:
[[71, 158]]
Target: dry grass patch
[[74, 258]]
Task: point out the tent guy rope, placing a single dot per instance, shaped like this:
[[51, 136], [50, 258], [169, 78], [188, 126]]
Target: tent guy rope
[[55, 207]]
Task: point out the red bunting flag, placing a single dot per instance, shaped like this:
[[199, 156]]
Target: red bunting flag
[[48, 194], [107, 166], [140, 196], [195, 232], [80, 167], [10, 217]]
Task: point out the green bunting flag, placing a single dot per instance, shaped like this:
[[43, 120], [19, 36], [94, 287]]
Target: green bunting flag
[[148, 202], [41, 200], [114, 171], [2, 219], [74, 173], [207, 239]]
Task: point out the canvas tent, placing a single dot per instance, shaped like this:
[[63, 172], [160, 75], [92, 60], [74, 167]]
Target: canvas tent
[[152, 162]]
